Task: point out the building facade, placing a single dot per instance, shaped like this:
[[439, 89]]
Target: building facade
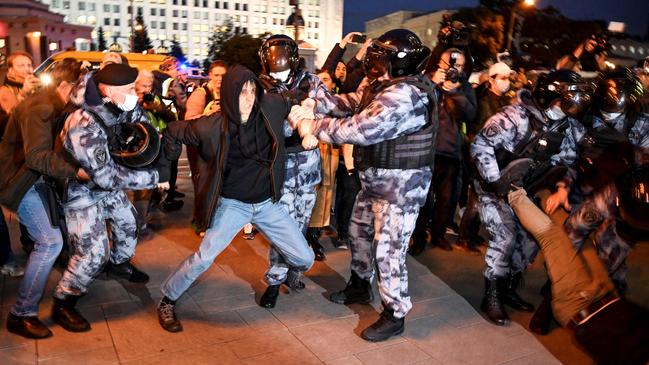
[[425, 25], [191, 22], [27, 25]]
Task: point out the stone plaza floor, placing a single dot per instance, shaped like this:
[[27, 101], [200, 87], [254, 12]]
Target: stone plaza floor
[[224, 325]]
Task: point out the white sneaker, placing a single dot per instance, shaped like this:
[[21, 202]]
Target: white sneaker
[[12, 269]]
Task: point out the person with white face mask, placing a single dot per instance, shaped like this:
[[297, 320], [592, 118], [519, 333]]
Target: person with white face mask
[[540, 126], [109, 103]]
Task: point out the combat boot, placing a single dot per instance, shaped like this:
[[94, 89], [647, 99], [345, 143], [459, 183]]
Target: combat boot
[[65, 315], [269, 298], [126, 270], [510, 296], [385, 327], [491, 303], [313, 238], [357, 291], [27, 326]]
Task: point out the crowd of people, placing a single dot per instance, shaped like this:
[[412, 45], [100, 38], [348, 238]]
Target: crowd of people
[[385, 152]]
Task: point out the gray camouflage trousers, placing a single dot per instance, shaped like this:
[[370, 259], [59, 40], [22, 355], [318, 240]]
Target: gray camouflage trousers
[[511, 248], [87, 234], [383, 219], [303, 174], [597, 215]]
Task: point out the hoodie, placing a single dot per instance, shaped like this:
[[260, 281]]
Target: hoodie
[[247, 169]]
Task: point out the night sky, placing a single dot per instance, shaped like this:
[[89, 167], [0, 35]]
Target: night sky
[[633, 12]]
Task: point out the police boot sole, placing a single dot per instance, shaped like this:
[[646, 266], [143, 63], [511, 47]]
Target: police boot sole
[[382, 337]]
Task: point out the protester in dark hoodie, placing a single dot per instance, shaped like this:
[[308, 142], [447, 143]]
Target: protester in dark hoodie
[[245, 147]]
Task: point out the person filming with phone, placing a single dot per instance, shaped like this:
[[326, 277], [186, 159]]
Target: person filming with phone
[[457, 104]]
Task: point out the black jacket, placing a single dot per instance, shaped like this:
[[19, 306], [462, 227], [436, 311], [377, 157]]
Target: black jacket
[[355, 71], [209, 134], [455, 107]]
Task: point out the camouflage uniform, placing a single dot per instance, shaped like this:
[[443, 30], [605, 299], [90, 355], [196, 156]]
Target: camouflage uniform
[[303, 173], [388, 204], [511, 248], [90, 205], [597, 214]]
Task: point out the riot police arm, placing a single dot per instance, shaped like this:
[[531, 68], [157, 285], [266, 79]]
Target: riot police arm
[[391, 114], [326, 102], [497, 131], [89, 146], [36, 127]]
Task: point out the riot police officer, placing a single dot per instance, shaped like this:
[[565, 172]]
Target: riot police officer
[[540, 126], [393, 130], [281, 74], [617, 119]]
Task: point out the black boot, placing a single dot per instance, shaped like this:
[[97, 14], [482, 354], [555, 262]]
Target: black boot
[[127, 271], [542, 319], [385, 327], [357, 291], [491, 304], [510, 296], [269, 298], [167, 315], [416, 248], [27, 326], [313, 238], [65, 315]]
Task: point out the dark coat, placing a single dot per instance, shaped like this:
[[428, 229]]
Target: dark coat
[[209, 134], [27, 147]]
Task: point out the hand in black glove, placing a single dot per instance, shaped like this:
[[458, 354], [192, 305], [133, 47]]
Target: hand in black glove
[[295, 96], [499, 187]]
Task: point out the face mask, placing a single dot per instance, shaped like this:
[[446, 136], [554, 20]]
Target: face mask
[[130, 101], [610, 116], [555, 113], [502, 86], [281, 76]]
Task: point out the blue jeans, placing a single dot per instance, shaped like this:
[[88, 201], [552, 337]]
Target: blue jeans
[[231, 215], [32, 213]]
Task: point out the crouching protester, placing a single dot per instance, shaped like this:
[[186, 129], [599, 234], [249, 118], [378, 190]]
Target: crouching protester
[[393, 132], [95, 137], [29, 162], [608, 327], [245, 148]]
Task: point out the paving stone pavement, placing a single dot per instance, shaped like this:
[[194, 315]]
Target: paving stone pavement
[[224, 325]]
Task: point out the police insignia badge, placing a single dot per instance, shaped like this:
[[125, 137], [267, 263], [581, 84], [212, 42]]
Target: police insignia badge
[[101, 156], [492, 130]]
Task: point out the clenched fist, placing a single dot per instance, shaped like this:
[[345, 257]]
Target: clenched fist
[[309, 142]]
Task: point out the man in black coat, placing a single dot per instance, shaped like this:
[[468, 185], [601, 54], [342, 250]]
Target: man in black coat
[[245, 144]]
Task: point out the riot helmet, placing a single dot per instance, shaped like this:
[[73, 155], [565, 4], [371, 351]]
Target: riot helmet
[[279, 57], [399, 52], [575, 94], [135, 145], [617, 91]]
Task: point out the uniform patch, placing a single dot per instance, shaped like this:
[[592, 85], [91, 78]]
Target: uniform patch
[[492, 130], [101, 157]]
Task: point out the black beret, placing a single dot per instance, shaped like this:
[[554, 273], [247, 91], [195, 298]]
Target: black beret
[[116, 74]]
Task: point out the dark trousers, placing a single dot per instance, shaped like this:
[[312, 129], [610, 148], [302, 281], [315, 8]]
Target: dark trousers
[[173, 175], [348, 186], [441, 201], [470, 224], [5, 243]]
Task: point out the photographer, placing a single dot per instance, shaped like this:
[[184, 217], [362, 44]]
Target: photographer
[[457, 103], [347, 76], [589, 55], [19, 82]]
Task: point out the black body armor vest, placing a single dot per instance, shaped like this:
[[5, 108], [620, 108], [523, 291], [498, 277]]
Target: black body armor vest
[[411, 151]]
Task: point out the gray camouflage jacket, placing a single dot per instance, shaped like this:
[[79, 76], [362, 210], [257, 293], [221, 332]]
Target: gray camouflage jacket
[[507, 128], [638, 134], [87, 142]]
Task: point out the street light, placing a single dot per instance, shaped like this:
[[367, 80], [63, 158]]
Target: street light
[[512, 19]]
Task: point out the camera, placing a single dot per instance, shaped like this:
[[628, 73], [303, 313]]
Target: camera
[[601, 42], [148, 98], [453, 74], [453, 33]]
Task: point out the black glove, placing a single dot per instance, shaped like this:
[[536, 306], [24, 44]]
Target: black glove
[[297, 95], [500, 187]]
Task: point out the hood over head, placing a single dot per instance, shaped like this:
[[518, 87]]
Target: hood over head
[[231, 86]]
